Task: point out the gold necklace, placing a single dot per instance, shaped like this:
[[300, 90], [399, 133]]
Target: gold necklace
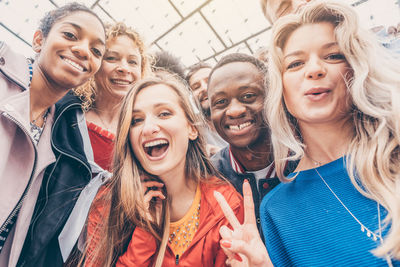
[[104, 124], [370, 233]]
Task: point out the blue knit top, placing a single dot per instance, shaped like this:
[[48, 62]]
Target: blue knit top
[[305, 225]]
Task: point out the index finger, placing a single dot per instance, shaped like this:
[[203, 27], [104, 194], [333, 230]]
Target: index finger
[[227, 210], [249, 216]]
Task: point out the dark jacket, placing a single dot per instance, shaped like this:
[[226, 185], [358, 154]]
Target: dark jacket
[[221, 162], [61, 186]]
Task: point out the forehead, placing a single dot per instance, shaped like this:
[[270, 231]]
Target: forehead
[[200, 74], [122, 43], [310, 36], [85, 21], [154, 95], [234, 74]]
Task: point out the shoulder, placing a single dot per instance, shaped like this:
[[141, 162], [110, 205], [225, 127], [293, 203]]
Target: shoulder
[[14, 66], [227, 190], [221, 156]]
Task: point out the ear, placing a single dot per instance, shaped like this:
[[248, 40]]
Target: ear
[[38, 41], [193, 133]]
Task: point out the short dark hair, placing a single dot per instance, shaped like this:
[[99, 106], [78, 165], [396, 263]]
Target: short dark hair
[[51, 17], [164, 60], [240, 57], [194, 68]]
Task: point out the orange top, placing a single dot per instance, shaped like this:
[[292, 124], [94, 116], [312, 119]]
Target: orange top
[[182, 232]]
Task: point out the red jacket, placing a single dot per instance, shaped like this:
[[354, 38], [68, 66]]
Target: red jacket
[[204, 249]]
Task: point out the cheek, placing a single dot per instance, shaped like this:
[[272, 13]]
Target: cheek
[[134, 141]]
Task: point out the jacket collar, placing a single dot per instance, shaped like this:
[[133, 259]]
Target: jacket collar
[[15, 67]]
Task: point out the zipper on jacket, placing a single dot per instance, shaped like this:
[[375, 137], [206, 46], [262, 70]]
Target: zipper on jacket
[[177, 260], [28, 186], [62, 152]]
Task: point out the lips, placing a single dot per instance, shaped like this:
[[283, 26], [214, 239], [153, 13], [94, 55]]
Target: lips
[[74, 64], [156, 149], [316, 94], [123, 82], [239, 127]]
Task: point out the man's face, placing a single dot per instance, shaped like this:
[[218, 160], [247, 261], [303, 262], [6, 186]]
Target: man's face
[[198, 83], [280, 8], [236, 92]]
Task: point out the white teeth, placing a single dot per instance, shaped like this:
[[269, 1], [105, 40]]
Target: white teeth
[[240, 126], [156, 143], [74, 64], [121, 82]]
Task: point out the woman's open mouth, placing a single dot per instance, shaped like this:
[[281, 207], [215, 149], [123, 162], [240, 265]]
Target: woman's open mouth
[[156, 148]]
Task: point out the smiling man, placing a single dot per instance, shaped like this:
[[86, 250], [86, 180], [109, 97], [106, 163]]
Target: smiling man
[[236, 90]]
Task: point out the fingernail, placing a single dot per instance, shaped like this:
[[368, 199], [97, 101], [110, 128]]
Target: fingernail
[[246, 181], [226, 244], [237, 257]]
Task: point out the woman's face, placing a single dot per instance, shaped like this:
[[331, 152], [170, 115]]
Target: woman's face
[[121, 67], [314, 76], [160, 131], [72, 51]]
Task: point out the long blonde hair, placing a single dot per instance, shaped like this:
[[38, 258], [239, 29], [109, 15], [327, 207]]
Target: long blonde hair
[[125, 189], [375, 97], [87, 92]]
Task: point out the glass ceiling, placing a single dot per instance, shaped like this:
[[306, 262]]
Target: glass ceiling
[[193, 30]]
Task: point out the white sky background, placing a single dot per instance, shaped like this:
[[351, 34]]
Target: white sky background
[[232, 19]]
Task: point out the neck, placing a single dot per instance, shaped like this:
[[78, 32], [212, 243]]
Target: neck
[[254, 157], [325, 143], [105, 113], [181, 192], [42, 94]]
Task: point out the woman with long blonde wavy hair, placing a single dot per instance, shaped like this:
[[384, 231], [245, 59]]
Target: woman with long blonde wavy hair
[[333, 105], [159, 209]]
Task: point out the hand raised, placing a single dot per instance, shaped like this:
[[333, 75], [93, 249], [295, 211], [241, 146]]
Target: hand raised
[[242, 245]]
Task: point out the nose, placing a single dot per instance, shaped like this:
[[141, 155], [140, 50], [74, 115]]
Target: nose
[[235, 109], [315, 69], [150, 127], [123, 67], [81, 50]]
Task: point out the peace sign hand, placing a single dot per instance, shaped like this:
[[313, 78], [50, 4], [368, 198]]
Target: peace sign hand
[[242, 245]]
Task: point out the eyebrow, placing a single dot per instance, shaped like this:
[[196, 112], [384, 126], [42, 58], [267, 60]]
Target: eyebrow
[[79, 28], [155, 106], [298, 52]]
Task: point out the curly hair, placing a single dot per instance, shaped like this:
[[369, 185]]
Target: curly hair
[[87, 91]]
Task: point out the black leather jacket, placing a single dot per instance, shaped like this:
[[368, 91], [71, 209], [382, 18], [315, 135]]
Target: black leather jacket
[[61, 186]]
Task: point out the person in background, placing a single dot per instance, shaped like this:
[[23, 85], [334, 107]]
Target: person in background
[[125, 62], [161, 210], [335, 109], [274, 9], [165, 61], [197, 79], [236, 89], [69, 46]]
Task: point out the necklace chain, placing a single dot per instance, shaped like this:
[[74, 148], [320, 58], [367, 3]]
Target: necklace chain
[[370, 233], [102, 121]]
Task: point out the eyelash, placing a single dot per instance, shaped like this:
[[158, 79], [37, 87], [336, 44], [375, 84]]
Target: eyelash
[[338, 56], [70, 36]]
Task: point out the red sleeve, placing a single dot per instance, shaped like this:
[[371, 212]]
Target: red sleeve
[[141, 250], [98, 213]]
